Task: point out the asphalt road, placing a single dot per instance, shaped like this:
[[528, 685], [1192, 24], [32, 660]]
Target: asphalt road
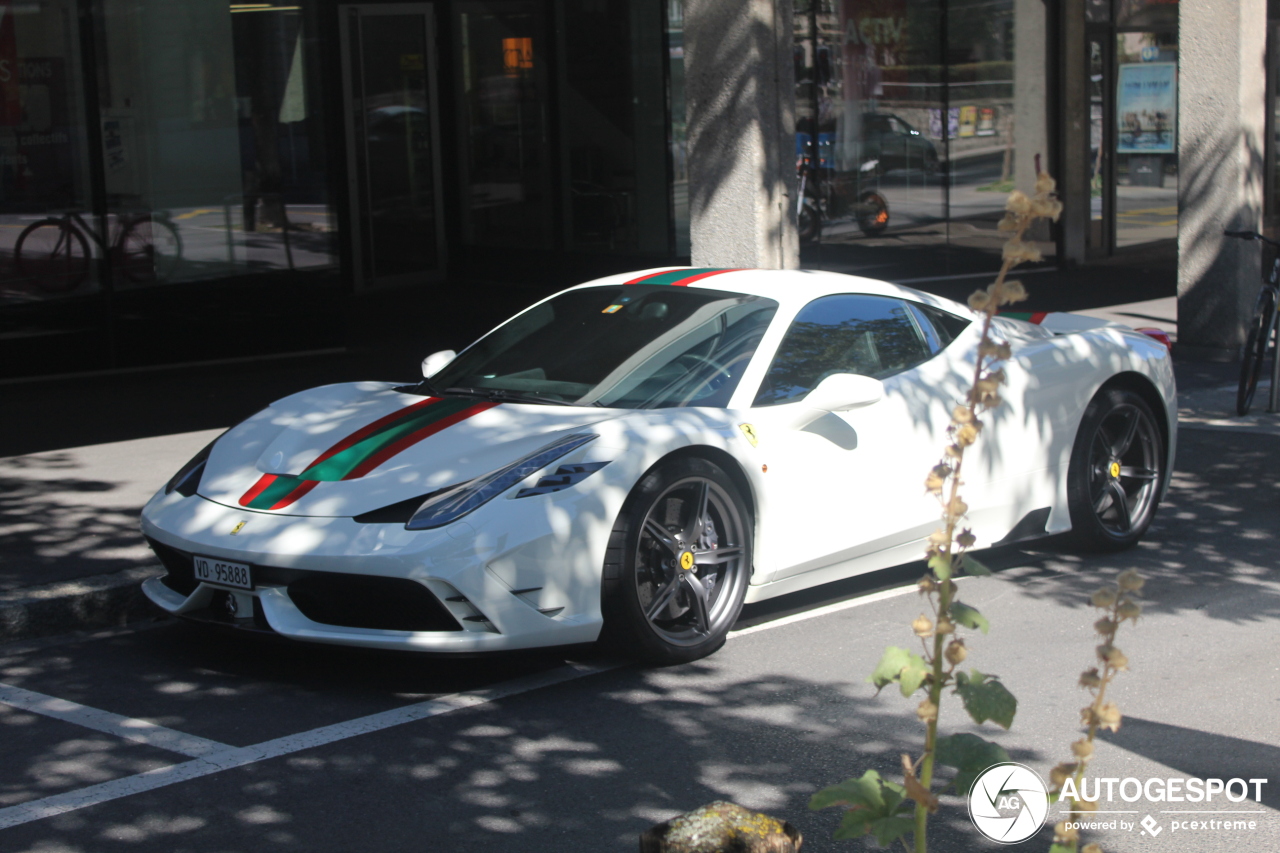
[[162, 738]]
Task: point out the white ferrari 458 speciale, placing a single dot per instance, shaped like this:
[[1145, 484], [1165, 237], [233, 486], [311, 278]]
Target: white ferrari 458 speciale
[[636, 457]]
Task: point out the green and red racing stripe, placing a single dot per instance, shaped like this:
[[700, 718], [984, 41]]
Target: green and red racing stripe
[[1034, 317], [679, 278], [363, 450]]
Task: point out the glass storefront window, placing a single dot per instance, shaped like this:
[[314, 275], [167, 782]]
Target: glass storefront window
[[213, 140], [502, 124], [914, 119], [1146, 164], [678, 140], [47, 237], [613, 126]]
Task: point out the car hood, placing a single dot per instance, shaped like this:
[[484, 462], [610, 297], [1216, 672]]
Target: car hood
[[342, 450]]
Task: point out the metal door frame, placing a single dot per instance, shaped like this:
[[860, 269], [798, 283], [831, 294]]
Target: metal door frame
[[347, 13]]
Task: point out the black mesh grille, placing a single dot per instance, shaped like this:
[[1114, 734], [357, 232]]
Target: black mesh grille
[[359, 601], [182, 576]]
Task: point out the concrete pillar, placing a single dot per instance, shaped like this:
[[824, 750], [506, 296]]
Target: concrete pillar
[[1030, 97], [1221, 114], [740, 91]]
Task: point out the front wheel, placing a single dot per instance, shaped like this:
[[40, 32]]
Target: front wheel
[[678, 564], [1116, 472], [1255, 350], [150, 250]]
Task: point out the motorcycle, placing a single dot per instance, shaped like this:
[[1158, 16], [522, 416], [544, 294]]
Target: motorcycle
[[819, 199]]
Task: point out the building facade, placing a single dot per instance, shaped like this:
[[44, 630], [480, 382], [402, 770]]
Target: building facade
[[208, 179]]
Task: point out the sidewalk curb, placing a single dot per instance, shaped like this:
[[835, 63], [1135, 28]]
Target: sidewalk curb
[[97, 602]]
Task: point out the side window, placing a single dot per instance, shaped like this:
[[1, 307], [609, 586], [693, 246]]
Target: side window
[[849, 333], [945, 326]]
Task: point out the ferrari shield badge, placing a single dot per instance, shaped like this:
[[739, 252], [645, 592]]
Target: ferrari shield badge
[[750, 432], [237, 528]]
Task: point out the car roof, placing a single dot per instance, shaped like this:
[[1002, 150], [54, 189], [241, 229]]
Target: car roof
[[790, 288]]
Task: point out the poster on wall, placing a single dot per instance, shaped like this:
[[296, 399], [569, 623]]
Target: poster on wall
[[1147, 108]]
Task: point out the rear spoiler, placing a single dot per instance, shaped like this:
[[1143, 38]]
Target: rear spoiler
[[1063, 323]]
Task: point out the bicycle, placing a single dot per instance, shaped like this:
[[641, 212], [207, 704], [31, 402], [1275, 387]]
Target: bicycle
[[54, 253], [1262, 332]]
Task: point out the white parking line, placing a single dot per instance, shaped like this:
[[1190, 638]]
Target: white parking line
[[218, 757], [138, 731], [230, 757]]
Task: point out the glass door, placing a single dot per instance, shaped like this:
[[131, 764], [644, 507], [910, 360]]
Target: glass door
[[388, 63]]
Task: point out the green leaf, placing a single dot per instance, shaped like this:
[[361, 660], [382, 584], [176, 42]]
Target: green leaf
[[853, 825], [941, 565], [913, 675], [970, 755], [891, 664], [985, 698], [1062, 848], [866, 792], [889, 829], [970, 566], [874, 805], [968, 617]]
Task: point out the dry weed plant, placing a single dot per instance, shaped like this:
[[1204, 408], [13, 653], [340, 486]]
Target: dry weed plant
[[1116, 602], [874, 805]]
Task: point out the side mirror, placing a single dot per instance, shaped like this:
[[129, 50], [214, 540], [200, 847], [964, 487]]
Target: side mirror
[[437, 361], [841, 392]]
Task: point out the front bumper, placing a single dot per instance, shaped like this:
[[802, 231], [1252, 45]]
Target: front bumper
[[333, 580]]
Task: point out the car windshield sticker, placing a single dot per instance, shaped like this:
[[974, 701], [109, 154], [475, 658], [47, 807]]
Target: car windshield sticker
[[363, 450], [612, 309], [679, 278]]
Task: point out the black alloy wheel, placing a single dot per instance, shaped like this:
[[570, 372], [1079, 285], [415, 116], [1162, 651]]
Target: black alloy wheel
[[1116, 472], [678, 564]]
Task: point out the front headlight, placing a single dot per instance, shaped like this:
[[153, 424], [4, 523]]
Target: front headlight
[[187, 480], [449, 506]]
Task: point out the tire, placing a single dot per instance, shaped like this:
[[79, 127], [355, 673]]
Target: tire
[[872, 213], [1116, 472], [673, 587], [810, 224], [52, 254], [150, 250], [1255, 350]]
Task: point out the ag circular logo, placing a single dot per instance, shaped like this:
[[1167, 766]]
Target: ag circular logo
[[1008, 803]]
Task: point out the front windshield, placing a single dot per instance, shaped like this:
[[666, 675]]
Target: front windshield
[[625, 346]]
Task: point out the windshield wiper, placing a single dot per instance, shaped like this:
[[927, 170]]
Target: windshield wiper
[[503, 395]]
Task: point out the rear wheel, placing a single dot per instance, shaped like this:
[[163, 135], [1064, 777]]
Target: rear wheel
[[53, 255], [872, 213], [810, 222], [1255, 350], [1116, 471], [678, 564]]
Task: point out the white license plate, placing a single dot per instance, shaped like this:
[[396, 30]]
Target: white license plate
[[211, 570]]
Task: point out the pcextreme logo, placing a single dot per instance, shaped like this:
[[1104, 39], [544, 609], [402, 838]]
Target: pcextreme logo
[[1008, 803]]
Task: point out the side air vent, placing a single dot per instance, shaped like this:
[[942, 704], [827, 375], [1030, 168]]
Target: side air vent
[[564, 477]]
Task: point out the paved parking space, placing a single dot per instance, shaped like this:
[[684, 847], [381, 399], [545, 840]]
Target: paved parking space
[[162, 739]]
